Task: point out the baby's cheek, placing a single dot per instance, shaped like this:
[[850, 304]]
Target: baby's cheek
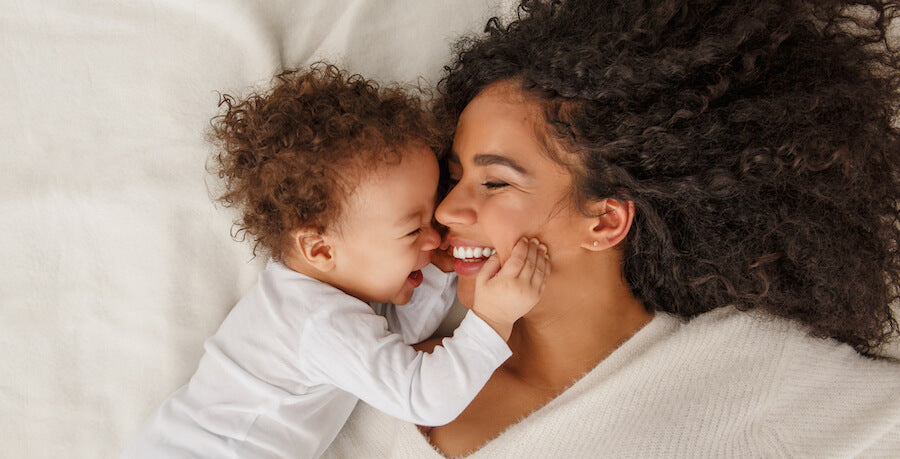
[[442, 259]]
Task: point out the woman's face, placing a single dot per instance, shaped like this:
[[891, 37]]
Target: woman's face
[[506, 187]]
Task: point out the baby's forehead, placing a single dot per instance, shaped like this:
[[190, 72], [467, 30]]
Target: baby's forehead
[[392, 190], [401, 161]]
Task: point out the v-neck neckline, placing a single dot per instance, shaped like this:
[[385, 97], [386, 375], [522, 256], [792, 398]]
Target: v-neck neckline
[[658, 327]]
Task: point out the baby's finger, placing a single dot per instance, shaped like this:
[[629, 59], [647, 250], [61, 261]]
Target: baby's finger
[[530, 260], [516, 259], [488, 270], [541, 268]]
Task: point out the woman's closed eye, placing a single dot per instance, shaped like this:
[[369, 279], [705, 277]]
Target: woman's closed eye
[[494, 185], [414, 232]]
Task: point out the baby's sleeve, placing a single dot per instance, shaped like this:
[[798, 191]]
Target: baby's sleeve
[[355, 352], [417, 320]]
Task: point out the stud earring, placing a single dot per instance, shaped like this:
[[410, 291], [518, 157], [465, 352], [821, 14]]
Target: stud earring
[[596, 243]]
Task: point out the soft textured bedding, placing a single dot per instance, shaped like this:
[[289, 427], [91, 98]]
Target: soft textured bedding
[[118, 265]]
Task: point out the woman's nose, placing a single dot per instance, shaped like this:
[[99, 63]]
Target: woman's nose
[[455, 209]]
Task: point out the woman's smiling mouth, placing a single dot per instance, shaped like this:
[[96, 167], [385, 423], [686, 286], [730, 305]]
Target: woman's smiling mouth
[[468, 259], [472, 254]]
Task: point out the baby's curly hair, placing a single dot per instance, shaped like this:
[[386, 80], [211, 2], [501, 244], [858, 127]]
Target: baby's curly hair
[[291, 156], [757, 139]]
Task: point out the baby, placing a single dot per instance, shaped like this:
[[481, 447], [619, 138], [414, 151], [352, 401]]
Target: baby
[[336, 183]]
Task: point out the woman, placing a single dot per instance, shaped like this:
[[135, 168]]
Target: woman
[[718, 185]]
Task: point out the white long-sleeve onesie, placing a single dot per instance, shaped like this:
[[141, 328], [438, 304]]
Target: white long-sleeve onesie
[[291, 360]]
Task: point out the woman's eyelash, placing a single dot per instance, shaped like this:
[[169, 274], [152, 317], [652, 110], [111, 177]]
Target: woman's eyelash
[[493, 185], [414, 232], [452, 181]]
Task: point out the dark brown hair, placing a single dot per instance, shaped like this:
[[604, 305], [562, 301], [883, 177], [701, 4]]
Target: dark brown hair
[[756, 139], [290, 157]]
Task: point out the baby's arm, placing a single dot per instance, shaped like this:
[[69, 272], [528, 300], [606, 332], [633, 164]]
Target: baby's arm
[[359, 354]]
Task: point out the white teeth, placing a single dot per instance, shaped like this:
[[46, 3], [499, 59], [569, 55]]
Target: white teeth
[[472, 253]]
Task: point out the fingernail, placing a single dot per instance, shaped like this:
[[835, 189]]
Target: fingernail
[[542, 248]]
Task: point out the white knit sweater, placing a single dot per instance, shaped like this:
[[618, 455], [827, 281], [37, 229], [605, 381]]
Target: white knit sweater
[[727, 384]]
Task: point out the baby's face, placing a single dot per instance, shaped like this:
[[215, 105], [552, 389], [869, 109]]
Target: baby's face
[[386, 235]]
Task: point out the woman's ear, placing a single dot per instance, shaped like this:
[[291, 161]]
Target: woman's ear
[[314, 247], [609, 223]]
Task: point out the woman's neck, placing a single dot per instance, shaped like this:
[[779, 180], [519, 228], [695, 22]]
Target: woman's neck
[[581, 320]]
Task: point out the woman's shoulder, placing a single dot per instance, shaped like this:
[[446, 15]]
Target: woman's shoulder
[[827, 397], [732, 381], [812, 394], [783, 352], [781, 342], [773, 339]]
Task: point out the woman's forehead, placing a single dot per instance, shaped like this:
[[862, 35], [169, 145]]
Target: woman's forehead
[[494, 119], [503, 94], [503, 119]]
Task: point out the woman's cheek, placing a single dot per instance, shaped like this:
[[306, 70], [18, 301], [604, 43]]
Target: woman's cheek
[[502, 233]]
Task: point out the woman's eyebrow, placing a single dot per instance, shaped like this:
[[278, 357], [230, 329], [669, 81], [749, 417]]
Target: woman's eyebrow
[[488, 159]]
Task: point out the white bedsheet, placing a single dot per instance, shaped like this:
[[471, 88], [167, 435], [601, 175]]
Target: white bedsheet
[[117, 264]]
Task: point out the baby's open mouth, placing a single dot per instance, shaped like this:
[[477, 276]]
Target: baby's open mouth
[[472, 254], [415, 278]]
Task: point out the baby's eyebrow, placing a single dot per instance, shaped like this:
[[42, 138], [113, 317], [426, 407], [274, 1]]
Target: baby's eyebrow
[[411, 216]]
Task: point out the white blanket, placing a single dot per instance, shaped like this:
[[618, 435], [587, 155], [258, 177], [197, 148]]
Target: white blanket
[[117, 263]]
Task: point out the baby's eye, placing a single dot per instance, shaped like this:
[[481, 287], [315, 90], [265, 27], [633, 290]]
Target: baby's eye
[[494, 185], [414, 232]]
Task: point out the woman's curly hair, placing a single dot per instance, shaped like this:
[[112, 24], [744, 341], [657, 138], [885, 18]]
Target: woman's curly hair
[[291, 156], [757, 139]]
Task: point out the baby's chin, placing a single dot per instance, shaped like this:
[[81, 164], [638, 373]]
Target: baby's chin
[[407, 287], [403, 296]]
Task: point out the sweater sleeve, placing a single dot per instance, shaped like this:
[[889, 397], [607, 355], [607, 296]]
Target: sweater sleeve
[[355, 352], [417, 320]]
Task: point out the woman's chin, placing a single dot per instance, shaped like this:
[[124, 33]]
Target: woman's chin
[[468, 268], [465, 291]]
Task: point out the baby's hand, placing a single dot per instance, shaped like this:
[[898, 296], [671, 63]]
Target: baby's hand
[[504, 294]]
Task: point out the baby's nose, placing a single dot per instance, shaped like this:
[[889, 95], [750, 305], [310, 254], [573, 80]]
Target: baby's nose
[[431, 239]]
